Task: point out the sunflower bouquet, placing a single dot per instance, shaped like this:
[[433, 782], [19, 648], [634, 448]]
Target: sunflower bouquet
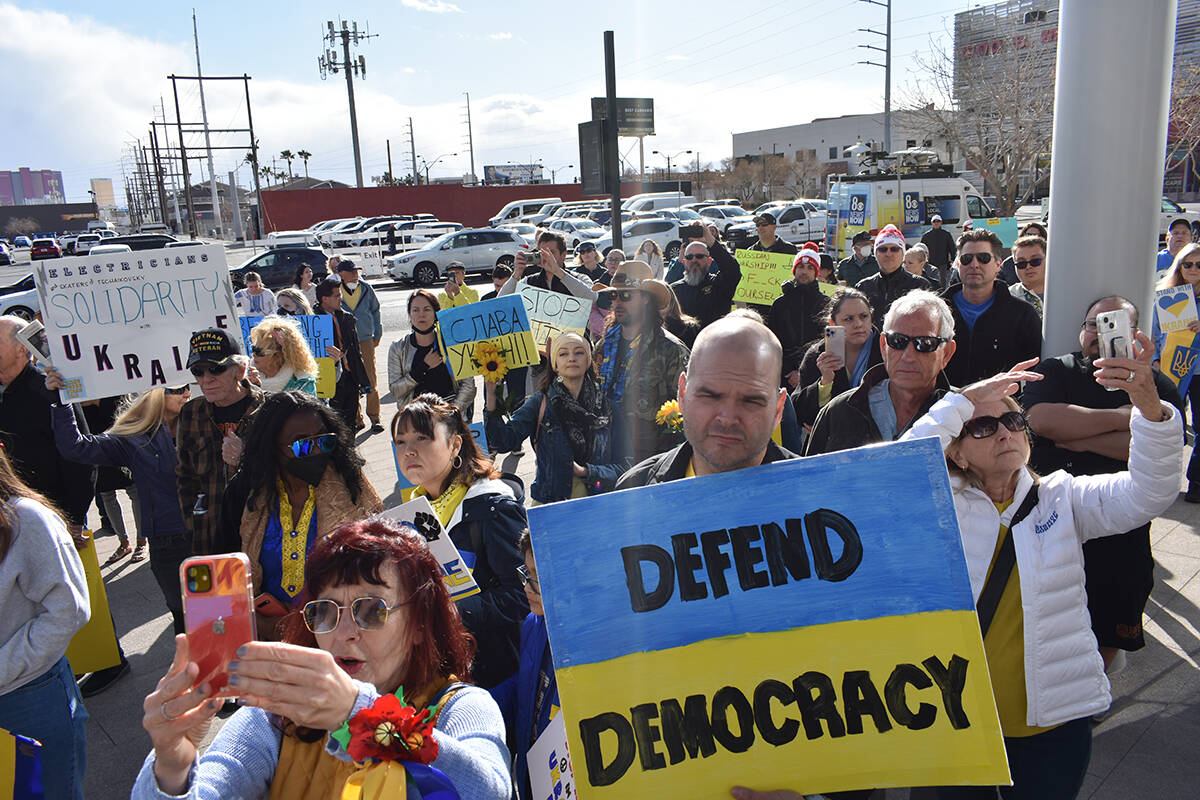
[[490, 362], [670, 417]]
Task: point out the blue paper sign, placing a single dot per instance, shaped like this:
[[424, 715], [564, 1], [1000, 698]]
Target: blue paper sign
[[481, 338], [317, 330]]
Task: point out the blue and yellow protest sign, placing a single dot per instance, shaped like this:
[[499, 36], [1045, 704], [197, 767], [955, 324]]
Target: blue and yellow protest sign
[[94, 646], [1179, 358], [755, 628], [317, 330], [481, 338], [20, 767]]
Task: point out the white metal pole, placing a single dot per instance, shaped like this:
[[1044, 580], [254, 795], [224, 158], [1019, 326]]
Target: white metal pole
[[212, 173], [1107, 160]]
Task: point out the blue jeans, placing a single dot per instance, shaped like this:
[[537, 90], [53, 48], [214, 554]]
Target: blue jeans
[[50, 710]]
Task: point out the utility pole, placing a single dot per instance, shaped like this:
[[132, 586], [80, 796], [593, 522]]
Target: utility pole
[[611, 166], [158, 174], [887, 70], [212, 173], [391, 175], [328, 62], [162, 106], [412, 143], [470, 139]]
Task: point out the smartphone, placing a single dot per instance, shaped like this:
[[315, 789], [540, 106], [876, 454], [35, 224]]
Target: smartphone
[[693, 231], [218, 607], [1116, 335], [835, 341]]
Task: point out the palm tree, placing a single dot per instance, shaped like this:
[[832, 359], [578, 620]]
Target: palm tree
[[266, 172], [304, 154], [288, 155]]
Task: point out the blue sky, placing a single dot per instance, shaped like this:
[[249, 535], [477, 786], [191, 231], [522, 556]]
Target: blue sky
[[92, 75]]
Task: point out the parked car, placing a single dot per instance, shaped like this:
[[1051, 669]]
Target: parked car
[[104, 249], [67, 241], [517, 209], [524, 229], [6, 257], [44, 248], [21, 241], [724, 217], [105, 233], [796, 223], [184, 243], [573, 229], [278, 266], [480, 249], [664, 232], [84, 242], [329, 224], [143, 241], [601, 216], [23, 285], [685, 216], [21, 303]]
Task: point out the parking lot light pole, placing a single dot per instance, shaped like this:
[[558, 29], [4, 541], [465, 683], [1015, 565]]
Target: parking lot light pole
[[669, 158], [429, 165], [554, 171]]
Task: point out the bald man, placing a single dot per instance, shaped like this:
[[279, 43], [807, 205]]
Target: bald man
[[731, 402]]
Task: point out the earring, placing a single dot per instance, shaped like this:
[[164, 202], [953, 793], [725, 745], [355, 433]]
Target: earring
[[457, 462]]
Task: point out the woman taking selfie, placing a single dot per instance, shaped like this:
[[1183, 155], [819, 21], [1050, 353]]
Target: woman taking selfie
[[484, 518], [380, 622], [416, 366], [823, 376], [43, 603], [568, 420], [1023, 537]]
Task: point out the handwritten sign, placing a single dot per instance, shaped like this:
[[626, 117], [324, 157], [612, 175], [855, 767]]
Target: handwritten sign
[[551, 775], [763, 273], [553, 313], [120, 322], [777, 635], [1175, 308], [418, 515], [501, 321], [318, 332]]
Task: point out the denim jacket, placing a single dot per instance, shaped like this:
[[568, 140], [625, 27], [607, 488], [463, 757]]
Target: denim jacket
[[553, 451]]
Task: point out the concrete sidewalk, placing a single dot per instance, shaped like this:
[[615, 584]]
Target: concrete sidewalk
[[1145, 748]]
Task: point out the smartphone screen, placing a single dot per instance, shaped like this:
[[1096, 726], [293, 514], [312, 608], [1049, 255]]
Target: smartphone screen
[[219, 613]]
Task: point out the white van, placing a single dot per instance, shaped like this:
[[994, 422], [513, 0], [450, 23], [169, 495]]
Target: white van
[[653, 201], [518, 208], [154, 227]]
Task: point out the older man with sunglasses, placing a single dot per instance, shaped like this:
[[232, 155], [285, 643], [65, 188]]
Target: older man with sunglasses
[[704, 295], [210, 432], [992, 329], [917, 342], [892, 281]]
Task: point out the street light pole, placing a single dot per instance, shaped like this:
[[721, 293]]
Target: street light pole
[[554, 171], [669, 158], [431, 164]]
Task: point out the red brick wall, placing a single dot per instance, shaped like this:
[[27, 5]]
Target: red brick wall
[[470, 205]]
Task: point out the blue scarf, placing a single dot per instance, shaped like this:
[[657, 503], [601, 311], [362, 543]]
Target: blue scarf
[[612, 374], [860, 366]]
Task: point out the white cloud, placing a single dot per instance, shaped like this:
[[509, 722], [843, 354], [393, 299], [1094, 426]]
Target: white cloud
[[432, 6], [409, 70], [500, 36], [677, 57]]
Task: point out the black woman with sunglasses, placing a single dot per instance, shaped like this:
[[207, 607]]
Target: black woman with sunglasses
[[379, 627], [210, 432], [300, 479], [916, 343], [1023, 539], [992, 329]]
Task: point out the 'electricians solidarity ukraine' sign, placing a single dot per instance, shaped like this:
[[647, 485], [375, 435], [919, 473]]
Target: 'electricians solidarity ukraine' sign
[[752, 627]]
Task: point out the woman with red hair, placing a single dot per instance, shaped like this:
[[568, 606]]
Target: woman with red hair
[[378, 643]]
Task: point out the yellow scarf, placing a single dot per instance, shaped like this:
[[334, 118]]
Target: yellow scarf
[[351, 298], [295, 538], [447, 503]]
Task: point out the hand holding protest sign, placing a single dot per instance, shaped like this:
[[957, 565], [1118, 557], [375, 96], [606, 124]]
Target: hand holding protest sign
[[763, 274], [418, 515], [1175, 308], [553, 313]]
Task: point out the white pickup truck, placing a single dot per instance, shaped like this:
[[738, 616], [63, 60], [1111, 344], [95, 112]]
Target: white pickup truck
[[1169, 212], [796, 223]]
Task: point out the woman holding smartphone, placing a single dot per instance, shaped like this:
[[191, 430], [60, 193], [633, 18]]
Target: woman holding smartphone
[[823, 374], [379, 622]]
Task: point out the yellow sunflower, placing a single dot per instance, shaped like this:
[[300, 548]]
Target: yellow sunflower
[[491, 363], [669, 416]]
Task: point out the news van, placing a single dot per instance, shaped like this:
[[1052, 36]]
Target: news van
[[870, 201]]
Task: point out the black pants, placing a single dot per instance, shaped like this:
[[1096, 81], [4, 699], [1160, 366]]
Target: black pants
[[166, 554], [345, 400]]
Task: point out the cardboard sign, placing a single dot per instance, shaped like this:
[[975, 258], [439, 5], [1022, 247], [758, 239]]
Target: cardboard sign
[[553, 313], [120, 322], [751, 627], [20, 767], [94, 646], [318, 332], [418, 515], [763, 274], [1179, 358], [551, 775], [501, 321], [1175, 308]]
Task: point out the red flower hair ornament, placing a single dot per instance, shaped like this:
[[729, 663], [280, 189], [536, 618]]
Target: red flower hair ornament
[[391, 730]]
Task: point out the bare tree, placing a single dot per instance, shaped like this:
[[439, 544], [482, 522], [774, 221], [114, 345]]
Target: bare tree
[[18, 226], [740, 178], [994, 108], [1183, 127]]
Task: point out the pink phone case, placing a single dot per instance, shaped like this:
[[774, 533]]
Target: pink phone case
[[219, 619]]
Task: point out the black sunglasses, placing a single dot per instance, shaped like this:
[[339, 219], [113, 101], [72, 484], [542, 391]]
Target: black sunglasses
[[200, 370], [262, 351], [624, 295], [695, 256], [889, 248], [983, 427], [369, 613], [176, 390], [313, 445], [1033, 262], [967, 258], [1189, 264], [923, 344]]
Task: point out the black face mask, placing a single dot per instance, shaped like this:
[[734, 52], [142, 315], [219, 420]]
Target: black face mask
[[310, 468], [424, 331]]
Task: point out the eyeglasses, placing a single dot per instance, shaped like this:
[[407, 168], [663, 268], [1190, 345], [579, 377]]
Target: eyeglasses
[[529, 580], [983, 427], [199, 370], [176, 390], [966, 258], [1033, 262], [262, 351], [624, 295], [368, 613], [1189, 264], [695, 256], [887, 248], [313, 445], [923, 344]]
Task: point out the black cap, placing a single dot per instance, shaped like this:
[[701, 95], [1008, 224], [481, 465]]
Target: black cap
[[456, 265], [213, 345], [765, 218], [346, 265], [862, 236], [502, 271]]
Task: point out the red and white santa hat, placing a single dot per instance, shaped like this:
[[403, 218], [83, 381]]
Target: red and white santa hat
[[889, 234], [809, 253]]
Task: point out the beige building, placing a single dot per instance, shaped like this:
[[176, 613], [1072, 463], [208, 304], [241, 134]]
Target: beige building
[[102, 191]]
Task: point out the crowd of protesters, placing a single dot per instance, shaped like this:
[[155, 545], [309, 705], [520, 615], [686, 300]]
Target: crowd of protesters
[[940, 337]]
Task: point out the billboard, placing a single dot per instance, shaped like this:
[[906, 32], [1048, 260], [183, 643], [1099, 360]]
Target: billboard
[[591, 158], [512, 173], [635, 115]]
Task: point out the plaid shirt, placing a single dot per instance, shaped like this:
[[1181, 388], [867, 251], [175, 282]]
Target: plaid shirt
[[201, 469]]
